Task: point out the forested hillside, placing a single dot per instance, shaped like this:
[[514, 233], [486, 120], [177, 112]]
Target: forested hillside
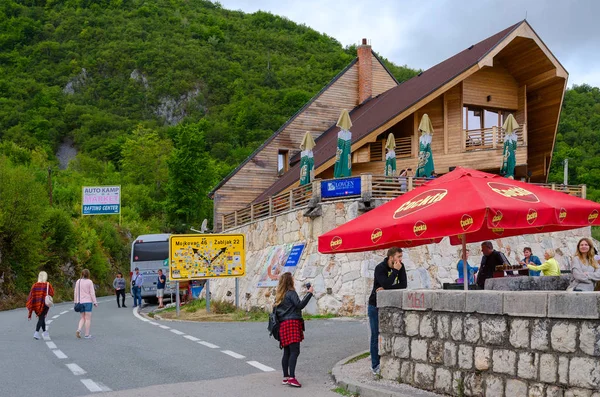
[[161, 97]]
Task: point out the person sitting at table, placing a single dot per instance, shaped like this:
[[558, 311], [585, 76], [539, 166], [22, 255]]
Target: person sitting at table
[[470, 269], [548, 268], [491, 258], [402, 179], [530, 259]]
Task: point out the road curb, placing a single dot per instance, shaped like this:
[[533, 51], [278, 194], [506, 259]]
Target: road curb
[[363, 390]]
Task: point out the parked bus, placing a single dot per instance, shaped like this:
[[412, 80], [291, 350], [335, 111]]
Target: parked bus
[[149, 253]]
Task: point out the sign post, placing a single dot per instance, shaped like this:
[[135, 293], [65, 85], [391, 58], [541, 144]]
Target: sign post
[[237, 293], [101, 200], [177, 298], [205, 257]]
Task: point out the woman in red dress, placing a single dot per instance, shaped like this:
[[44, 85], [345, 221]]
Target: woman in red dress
[[291, 325]]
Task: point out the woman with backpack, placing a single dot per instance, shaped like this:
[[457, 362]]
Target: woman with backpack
[[39, 301], [86, 295], [291, 325]]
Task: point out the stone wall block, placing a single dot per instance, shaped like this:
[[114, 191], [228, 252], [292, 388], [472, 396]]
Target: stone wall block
[[390, 367], [424, 376], [577, 392], [482, 358], [564, 337], [390, 298], [584, 372], [426, 329], [443, 326], [397, 320], [456, 328], [411, 323], [406, 372], [471, 328], [486, 302], [458, 383], [494, 386], [473, 384], [548, 368], [450, 354], [443, 380], [589, 338], [525, 304], [436, 351], [465, 356], [386, 342], [554, 391], [527, 367], [418, 349], [539, 335], [450, 301], [503, 361], [494, 330], [385, 320], [563, 370], [519, 333], [401, 347], [516, 388], [419, 300], [535, 390], [573, 305]]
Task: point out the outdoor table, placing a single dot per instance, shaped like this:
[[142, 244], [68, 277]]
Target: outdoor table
[[522, 271]]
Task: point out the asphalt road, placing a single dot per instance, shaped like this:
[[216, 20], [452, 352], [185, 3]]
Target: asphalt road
[[130, 355]]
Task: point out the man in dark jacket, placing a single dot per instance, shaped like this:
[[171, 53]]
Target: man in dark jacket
[[491, 258], [389, 274]]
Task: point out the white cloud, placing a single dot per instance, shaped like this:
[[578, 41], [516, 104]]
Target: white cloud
[[422, 34]]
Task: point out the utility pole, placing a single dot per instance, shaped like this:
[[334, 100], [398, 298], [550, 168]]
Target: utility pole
[[566, 172], [50, 185]]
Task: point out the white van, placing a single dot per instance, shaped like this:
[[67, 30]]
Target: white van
[[150, 252]]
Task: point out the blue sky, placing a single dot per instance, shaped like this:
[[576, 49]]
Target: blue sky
[[422, 34]]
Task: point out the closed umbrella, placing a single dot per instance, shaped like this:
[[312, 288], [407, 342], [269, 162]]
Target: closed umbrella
[[509, 154], [390, 156], [425, 167], [307, 161], [343, 156]]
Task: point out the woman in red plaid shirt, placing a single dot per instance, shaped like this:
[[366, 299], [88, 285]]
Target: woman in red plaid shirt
[[36, 303], [291, 325]]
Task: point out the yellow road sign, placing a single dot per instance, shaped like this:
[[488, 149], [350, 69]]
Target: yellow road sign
[[202, 256]]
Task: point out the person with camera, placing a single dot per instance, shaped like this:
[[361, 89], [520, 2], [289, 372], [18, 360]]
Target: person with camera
[[137, 280], [389, 274], [291, 325]]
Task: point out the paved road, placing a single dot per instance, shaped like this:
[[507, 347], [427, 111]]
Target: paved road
[[131, 355]]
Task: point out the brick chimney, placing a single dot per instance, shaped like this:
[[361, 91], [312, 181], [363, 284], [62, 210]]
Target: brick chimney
[[365, 72]]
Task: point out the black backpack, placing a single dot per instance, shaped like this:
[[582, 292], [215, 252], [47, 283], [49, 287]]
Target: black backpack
[[273, 324]]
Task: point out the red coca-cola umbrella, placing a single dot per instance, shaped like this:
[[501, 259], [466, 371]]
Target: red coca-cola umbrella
[[465, 205]]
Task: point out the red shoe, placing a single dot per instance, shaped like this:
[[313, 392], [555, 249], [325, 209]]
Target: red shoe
[[285, 381], [293, 382]]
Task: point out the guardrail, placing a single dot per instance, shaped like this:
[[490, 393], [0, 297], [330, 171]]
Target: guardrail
[[372, 187]]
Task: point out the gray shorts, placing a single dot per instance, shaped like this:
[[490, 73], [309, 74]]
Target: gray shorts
[[160, 293]]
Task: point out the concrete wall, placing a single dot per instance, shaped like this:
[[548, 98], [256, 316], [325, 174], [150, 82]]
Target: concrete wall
[[492, 343], [350, 276]]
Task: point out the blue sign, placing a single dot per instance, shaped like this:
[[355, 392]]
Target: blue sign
[[294, 256], [340, 187], [91, 209]]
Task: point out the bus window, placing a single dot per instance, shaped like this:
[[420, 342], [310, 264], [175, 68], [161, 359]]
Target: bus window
[[151, 251]]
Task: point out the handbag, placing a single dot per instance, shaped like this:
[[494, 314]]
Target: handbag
[[273, 324], [48, 300], [78, 306]]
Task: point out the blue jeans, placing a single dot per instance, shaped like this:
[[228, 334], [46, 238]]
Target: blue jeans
[[137, 296], [374, 325]]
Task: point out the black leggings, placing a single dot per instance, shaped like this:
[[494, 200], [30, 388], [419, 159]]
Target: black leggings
[[42, 320], [120, 292], [290, 357]]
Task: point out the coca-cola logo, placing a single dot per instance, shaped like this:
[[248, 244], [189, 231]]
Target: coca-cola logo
[[376, 235], [419, 228], [336, 243], [532, 216], [420, 202], [516, 192], [466, 222]]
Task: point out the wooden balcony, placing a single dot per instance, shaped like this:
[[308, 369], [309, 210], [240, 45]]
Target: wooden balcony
[[372, 187], [490, 138]]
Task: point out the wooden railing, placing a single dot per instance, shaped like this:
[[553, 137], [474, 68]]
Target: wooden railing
[[491, 138], [372, 187]]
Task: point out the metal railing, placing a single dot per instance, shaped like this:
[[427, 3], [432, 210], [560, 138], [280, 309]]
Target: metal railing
[[372, 187], [491, 138]]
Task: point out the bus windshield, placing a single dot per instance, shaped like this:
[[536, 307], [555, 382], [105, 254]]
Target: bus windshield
[[150, 251]]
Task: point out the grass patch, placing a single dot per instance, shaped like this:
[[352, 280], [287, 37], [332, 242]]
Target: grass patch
[[318, 316], [220, 311], [358, 358], [344, 392], [596, 232]]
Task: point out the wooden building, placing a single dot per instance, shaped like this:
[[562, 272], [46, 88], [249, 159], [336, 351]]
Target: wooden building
[[466, 96]]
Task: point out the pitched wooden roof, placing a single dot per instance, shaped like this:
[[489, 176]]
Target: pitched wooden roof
[[374, 113]]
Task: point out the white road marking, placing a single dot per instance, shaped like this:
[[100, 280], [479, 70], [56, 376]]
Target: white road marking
[[208, 345], [233, 354], [66, 311], [48, 322], [177, 332], [164, 327], [192, 338], [57, 316], [46, 337], [152, 322], [260, 366], [76, 369], [94, 387], [59, 354], [51, 345], [139, 317]]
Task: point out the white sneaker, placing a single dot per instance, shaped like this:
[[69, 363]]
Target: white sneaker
[[45, 335], [36, 335], [376, 370]]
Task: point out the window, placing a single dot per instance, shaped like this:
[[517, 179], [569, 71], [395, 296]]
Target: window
[[282, 162], [151, 251], [478, 118]]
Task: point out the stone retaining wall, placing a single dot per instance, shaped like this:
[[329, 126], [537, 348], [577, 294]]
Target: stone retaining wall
[[492, 343]]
